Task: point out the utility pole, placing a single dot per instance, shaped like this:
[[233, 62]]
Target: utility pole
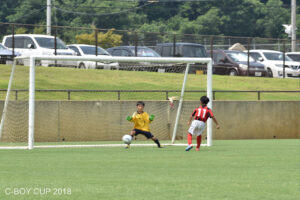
[[48, 17], [293, 22]]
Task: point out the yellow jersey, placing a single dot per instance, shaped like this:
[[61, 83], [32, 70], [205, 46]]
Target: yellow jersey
[[141, 121]]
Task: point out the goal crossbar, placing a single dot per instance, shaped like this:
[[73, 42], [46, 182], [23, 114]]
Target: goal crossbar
[[121, 59], [183, 60]]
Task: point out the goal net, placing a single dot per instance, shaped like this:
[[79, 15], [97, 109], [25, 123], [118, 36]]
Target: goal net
[[72, 107]]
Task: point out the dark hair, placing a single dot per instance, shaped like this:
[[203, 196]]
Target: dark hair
[[140, 103], [204, 100]]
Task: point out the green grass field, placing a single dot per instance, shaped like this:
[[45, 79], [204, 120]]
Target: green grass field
[[67, 78], [230, 170]]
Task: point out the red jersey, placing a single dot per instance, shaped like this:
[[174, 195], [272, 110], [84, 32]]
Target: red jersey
[[202, 113]]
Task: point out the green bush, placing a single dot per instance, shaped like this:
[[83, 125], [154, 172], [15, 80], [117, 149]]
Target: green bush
[[105, 40]]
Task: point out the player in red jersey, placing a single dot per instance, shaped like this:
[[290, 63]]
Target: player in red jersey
[[200, 115]]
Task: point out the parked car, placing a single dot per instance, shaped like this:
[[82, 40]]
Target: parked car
[[295, 56], [34, 44], [130, 51], [90, 51], [229, 62], [139, 51], [6, 55], [184, 49], [273, 60], [181, 50]]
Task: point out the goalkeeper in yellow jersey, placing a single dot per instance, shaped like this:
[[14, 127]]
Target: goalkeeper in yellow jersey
[[141, 121]]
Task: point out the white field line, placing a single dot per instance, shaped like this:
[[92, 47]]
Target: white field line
[[89, 146]]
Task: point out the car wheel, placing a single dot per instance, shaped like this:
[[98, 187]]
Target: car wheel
[[81, 66], [233, 72], [269, 72]]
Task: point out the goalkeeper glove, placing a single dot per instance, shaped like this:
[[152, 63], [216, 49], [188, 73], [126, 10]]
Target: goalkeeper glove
[[151, 118], [134, 114], [129, 118]]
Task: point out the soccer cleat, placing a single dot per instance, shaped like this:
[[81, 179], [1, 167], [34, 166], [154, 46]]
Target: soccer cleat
[[161, 146], [197, 149], [189, 148], [127, 146]]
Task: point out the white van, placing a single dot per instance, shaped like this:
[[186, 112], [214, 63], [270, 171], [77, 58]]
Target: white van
[[34, 44]]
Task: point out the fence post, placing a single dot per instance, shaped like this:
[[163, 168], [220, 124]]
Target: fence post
[[96, 46], [16, 95], [69, 95], [167, 95], [174, 45], [214, 95], [13, 40], [55, 44], [248, 59], [283, 59], [258, 95], [96, 42], [135, 43], [119, 95], [211, 47]]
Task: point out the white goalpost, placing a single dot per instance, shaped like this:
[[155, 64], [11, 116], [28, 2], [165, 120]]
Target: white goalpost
[[158, 60]]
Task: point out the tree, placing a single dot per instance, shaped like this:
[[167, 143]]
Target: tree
[[21, 30], [28, 12], [39, 30], [238, 18], [254, 18], [209, 23], [160, 11], [105, 40], [275, 16], [192, 10]]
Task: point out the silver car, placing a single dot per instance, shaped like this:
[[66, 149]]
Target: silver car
[[6, 55]]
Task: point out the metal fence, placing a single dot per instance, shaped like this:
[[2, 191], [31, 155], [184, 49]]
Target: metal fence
[[118, 93], [150, 39]]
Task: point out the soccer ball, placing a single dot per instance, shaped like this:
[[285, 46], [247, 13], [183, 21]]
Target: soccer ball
[[127, 139]]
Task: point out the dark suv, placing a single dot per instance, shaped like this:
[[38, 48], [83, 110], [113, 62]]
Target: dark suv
[[181, 50], [130, 51], [227, 62], [184, 49], [139, 51]]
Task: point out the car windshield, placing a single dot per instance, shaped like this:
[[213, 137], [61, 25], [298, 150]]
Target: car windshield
[[276, 56], [239, 57], [145, 52], [2, 47], [49, 43], [90, 50], [295, 57], [193, 51]]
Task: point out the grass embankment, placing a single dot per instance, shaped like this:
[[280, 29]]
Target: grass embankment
[[67, 78]]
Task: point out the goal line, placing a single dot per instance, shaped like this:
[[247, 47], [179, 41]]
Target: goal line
[[95, 146]]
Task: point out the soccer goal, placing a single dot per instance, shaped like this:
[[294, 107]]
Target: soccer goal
[[68, 107]]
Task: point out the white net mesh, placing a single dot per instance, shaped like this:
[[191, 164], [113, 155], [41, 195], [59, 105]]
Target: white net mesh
[[79, 106], [15, 129]]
